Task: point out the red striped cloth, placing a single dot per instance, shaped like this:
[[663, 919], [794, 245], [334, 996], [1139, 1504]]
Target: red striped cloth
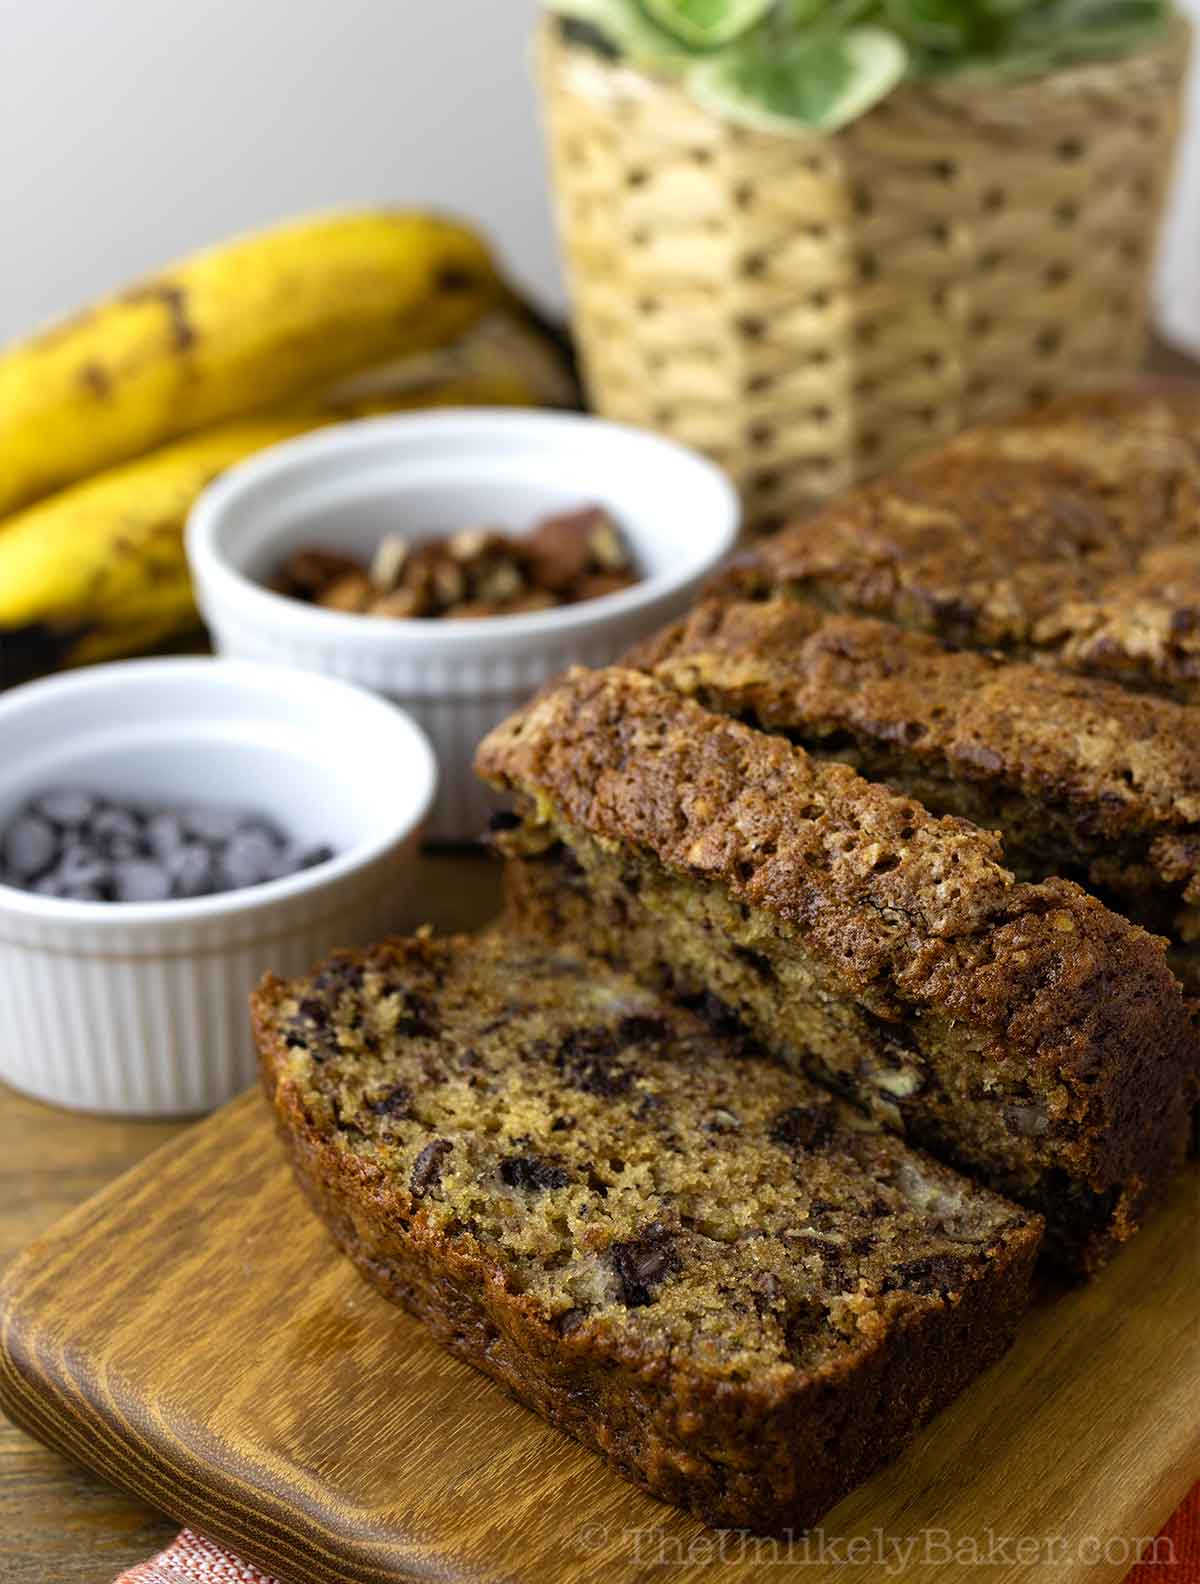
[[190, 1559], [1174, 1559]]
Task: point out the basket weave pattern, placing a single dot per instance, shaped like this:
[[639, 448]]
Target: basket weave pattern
[[811, 310]]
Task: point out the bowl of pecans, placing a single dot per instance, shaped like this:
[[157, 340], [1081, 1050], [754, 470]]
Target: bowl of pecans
[[455, 562]]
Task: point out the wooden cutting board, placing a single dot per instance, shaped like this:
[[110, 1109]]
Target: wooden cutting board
[[192, 1335]]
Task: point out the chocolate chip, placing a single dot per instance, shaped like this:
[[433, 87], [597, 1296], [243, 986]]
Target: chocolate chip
[[315, 1011], [587, 1059], [394, 1102], [935, 1273], [298, 1037], [531, 1173], [419, 1019], [756, 961], [641, 1264], [341, 974], [190, 870], [117, 833], [504, 820], [80, 867], [139, 880], [66, 807], [165, 834], [209, 824], [803, 1127], [638, 1029], [30, 846], [250, 856], [427, 1168], [723, 1019]]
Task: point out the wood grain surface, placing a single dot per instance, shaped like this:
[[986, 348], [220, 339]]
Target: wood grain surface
[[61, 1523], [192, 1334]]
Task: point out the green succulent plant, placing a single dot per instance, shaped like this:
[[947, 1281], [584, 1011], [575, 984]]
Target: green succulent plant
[[814, 65]]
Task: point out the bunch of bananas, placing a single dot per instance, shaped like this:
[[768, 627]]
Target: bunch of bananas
[[112, 422]]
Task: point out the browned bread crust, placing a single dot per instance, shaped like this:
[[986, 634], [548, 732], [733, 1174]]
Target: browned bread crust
[[1082, 777], [699, 1265], [1071, 535], [1040, 1040]]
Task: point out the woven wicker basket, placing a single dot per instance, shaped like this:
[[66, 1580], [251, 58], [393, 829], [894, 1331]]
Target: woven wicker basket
[[811, 310]]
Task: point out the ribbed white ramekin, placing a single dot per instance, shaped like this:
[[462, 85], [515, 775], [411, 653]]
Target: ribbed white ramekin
[[141, 1008], [431, 474]]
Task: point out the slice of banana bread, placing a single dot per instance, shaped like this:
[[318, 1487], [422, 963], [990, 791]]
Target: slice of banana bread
[[700, 1265], [1022, 1032], [1081, 777], [1071, 536]]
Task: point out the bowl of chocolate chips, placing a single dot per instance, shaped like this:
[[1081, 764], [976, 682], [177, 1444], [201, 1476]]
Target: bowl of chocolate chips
[[456, 561], [169, 830]]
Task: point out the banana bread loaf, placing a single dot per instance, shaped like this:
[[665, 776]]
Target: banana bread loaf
[[1071, 536], [701, 1266], [1023, 1033], [1081, 777]]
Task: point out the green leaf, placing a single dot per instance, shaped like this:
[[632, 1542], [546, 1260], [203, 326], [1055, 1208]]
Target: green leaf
[[707, 24], [934, 24], [1008, 8], [1045, 37], [811, 82], [799, 13], [816, 64], [629, 32]]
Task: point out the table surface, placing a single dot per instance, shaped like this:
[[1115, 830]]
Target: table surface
[[60, 1524]]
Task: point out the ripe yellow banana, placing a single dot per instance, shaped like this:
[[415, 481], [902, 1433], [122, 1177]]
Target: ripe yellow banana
[[98, 570], [243, 327]]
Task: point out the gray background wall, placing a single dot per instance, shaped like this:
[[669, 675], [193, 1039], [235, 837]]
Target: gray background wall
[[132, 132]]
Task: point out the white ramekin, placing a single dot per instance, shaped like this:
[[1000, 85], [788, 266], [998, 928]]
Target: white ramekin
[[431, 474], [141, 1008]]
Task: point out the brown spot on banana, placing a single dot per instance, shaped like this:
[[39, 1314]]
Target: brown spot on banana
[[95, 379], [174, 300], [453, 278]]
